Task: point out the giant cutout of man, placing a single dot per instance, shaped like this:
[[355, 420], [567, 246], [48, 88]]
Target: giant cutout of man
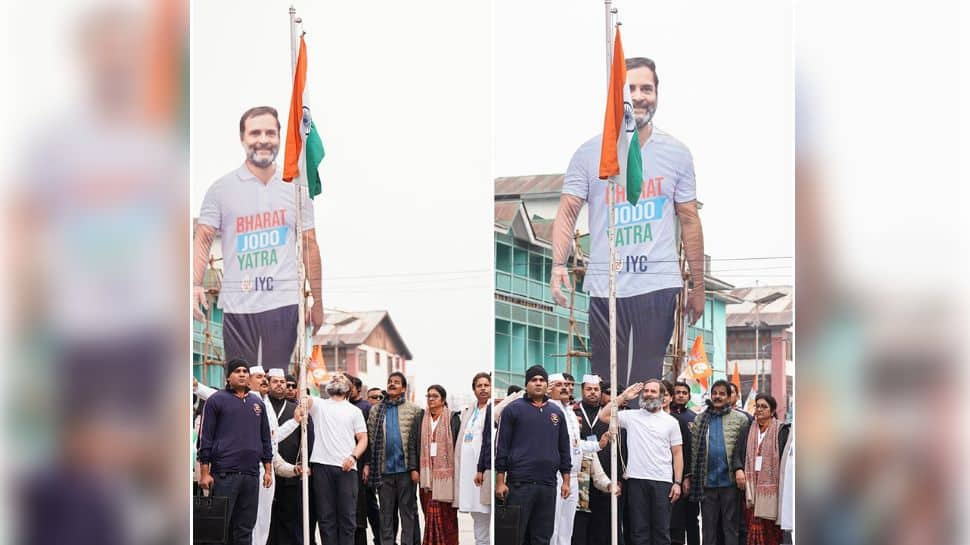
[[649, 277], [255, 211]]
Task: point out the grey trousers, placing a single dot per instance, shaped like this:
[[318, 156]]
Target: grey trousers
[[721, 505], [398, 496]]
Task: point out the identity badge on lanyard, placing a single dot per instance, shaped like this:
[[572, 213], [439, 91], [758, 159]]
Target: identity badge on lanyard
[[469, 436]]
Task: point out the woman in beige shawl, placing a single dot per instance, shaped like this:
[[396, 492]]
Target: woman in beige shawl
[[762, 465], [438, 434]]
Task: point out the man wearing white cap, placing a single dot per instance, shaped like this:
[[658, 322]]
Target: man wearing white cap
[[566, 507], [592, 524]]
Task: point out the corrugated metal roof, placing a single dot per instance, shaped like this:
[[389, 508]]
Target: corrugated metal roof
[[779, 313], [355, 330], [524, 185], [543, 229], [505, 212]]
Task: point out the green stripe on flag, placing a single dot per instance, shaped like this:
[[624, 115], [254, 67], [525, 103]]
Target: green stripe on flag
[[314, 155], [634, 170]]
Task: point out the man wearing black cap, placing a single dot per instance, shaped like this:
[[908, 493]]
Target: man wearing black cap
[[533, 444], [235, 439]]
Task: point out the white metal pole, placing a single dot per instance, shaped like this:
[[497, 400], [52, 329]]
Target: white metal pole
[[611, 234], [301, 299], [757, 346]]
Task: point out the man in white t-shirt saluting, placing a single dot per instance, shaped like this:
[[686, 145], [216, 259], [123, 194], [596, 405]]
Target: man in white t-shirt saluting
[[656, 466], [339, 440], [255, 211]]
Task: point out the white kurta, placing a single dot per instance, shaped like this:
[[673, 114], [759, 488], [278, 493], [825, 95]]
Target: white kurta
[[786, 514], [264, 510], [469, 495], [566, 508]]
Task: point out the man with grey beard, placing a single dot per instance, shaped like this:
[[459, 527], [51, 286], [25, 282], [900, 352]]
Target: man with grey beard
[[656, 466], [255, 212], [340, 439]]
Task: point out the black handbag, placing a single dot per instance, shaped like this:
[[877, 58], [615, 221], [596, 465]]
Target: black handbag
[[210, 519], [507, 520]]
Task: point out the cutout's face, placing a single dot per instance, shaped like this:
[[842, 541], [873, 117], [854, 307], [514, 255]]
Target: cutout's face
[[261, 140], [643, 93]]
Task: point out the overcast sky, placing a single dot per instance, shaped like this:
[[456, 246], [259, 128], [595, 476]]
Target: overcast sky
[[400, 95], [726, 91]]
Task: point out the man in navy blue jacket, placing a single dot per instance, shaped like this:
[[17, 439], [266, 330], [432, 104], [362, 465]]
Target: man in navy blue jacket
[[533, 444], [235, 439]]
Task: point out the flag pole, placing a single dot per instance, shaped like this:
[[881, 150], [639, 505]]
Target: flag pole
[[610, 11], [301, 300]]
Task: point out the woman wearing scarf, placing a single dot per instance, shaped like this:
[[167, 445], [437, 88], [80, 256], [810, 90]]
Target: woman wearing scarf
[[437, 440], [762, 465]]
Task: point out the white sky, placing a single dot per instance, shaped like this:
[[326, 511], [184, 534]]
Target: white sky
[[400, 95], [726, 90]]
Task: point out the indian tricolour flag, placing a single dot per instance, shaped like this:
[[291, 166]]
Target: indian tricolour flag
[[620, 154], [304, 149]]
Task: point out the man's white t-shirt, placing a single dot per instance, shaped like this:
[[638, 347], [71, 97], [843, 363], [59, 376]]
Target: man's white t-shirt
[[649, 439], [258, 224], [335, 425], [646, 232]]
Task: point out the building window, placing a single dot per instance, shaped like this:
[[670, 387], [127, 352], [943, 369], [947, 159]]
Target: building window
[[361, 361], [520, 262], [536, 267], [503, 258], [503, 345]]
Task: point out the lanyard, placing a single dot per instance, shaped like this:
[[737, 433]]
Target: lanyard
[[586, 417], [471, 425]]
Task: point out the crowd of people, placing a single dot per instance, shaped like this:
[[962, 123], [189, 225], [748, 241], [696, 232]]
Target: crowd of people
[[373, 457], [719, 476]]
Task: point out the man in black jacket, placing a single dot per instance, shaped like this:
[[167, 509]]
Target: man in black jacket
[[286, 527], [593, 527]]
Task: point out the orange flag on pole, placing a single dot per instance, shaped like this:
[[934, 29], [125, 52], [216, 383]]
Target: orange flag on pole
[[294, 125], [317, 370], [620, 151], [752, 393], [699, 366], [736, 378]]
